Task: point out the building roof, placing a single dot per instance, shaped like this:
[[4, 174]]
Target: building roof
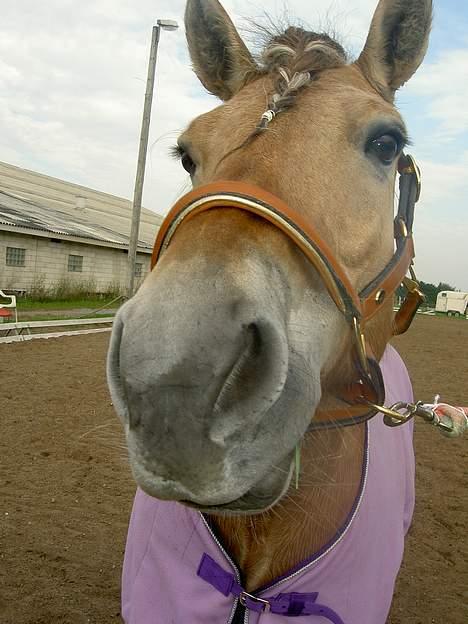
[[28, 217], [35, 203]]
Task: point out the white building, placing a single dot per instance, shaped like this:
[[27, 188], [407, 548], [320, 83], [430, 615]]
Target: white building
[[53, 231]]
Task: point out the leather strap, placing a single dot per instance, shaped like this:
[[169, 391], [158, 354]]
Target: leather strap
[[387, 282], [253, 199], [405, 315], [368, 388], [357, 308]]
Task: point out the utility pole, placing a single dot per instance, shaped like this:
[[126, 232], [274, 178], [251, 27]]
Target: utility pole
[[141, 165]]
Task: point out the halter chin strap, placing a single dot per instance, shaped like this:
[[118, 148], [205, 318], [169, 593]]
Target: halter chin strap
[[357, 307]]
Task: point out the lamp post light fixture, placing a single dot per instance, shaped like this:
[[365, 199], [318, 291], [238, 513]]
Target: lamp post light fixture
[[168, 24], [161, 24]]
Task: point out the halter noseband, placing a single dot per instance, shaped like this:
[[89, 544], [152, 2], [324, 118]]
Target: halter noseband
[[357, 307]]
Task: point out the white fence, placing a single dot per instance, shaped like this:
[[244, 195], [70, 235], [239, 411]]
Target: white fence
[[18, 332]]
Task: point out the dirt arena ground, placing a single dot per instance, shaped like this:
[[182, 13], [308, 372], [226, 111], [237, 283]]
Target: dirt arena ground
[[66, 491]]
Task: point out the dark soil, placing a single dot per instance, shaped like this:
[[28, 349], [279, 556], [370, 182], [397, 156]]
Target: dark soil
[[66, 491]]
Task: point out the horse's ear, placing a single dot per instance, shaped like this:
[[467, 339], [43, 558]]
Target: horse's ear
[[220, 58], [396, 44]]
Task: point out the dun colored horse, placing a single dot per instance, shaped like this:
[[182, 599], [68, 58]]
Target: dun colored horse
[[234, 350]]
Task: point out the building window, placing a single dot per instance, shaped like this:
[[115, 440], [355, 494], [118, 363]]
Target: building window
[[75, 264], [138, 269], [15, 256]]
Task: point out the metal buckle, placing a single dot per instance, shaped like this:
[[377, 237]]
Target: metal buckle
[[263, 603], [360, 341], [412, 168], [412, 284], [400, 224]]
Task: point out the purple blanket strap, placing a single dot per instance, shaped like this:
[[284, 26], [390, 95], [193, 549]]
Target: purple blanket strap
[[292, 604]]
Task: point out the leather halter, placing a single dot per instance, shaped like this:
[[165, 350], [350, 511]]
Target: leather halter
[[357, 307]]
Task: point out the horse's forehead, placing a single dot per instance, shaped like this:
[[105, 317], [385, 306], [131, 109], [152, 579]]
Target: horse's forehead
[[341, 92]]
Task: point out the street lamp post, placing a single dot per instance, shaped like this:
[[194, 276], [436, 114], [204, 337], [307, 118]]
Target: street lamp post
[[141, 165]]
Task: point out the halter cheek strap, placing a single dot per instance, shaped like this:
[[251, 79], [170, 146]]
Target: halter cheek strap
[[357, 307]]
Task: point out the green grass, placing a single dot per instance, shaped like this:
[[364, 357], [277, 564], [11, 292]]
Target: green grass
[[94, 303]]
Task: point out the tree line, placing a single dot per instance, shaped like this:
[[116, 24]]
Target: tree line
[[430, 290]]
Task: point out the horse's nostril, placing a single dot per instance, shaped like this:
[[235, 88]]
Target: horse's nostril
[[255, 381], [256, 339]]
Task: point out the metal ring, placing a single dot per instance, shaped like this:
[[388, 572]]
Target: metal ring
[[360, 341], [416, 171], [245, 595]]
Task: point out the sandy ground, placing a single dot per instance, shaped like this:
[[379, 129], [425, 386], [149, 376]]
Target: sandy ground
[[67, 492]]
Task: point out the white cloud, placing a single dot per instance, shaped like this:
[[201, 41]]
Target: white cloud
[[441, 226], [72, 80], [444, 86]]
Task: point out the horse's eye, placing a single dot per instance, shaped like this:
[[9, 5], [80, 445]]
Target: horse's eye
[[188, 164], [385, 147]]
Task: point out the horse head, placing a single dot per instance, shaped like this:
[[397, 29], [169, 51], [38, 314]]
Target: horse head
[[233, 344]]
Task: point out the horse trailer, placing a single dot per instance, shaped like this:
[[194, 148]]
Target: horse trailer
[[452, 303]]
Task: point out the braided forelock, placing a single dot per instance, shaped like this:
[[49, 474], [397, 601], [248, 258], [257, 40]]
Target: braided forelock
[[313, 51], [294, 58]]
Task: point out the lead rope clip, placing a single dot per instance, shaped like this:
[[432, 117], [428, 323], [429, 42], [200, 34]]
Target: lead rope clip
[[451, 421]]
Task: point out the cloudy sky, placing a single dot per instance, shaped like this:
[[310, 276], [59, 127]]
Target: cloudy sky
[[72, 81]]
